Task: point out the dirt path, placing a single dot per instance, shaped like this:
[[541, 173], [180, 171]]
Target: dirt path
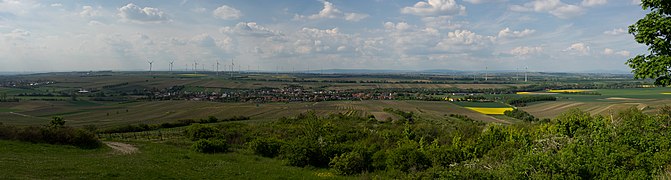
[[123, 148]]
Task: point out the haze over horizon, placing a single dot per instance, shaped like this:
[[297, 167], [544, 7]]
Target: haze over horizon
[[545, 35]]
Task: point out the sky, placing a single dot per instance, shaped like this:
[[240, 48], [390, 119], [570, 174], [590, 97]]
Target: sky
[[543, 35]]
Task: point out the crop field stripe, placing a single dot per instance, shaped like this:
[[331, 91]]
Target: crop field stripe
[[497, 111]]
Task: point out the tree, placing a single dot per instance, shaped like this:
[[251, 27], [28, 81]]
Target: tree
[[200, 131], [654, 30], [349, 163], [57, 122]]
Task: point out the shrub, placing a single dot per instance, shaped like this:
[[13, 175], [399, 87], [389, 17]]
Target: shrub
[[379, 160], [40, 134], [200, 131], [302, 152], [210, 146], [85, 139], [266, 147], [348, 163], [444, 156], [521, 115], [57, 122], [407, 157], [210, 119], [131, 128]]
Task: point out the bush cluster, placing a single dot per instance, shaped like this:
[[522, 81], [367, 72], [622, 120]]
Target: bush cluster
[[520, 114], [51, 135], [522, 101], [210, 146], [197, 132], [179, 123], [266, 147], [575, 145]]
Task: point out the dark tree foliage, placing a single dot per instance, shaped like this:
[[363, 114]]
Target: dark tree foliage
[[349, 163], [266, 147], [201, 131], [522, 101], [210, 146], [57, 122], [62, 135], [654, 30], [521, 115]]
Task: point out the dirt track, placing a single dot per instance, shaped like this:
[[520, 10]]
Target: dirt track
[[123, 148]]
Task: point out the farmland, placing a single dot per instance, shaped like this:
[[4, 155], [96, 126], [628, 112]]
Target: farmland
[[380, 118], [108, 115], [119, 98], [609, 101]]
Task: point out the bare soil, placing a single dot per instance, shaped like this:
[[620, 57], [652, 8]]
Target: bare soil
[[122, 148]]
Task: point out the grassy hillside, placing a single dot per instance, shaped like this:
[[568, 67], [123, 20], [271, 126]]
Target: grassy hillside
[[153, 161]]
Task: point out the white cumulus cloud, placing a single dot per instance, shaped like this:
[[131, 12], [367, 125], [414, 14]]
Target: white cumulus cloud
[[88, 11], [251, 29], [610, 52], [554, 7], [507, 33], [435, 7], [523, 51], [578, 48], [227, 13], [593, 2], [616, 31], [331, 12], [442, 22], [465, 40], [132, 12], [355, 16], [483, 1]]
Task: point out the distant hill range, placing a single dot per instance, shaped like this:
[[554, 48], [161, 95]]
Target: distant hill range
[[449, 71]]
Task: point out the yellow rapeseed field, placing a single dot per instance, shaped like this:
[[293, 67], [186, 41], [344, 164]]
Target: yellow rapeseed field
[[523, 93], [486, 110], [667, 93], [567, 91]]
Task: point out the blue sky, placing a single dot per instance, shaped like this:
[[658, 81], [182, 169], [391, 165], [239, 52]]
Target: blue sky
[[544, 35]]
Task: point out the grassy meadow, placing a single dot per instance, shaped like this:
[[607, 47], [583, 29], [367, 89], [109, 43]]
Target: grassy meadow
[[152, 161]]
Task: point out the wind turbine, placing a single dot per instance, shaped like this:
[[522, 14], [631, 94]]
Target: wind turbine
[[232, 67], [486, 72], [195, 67], [150, 64], [217, 68], [526, 69], [171, 63]]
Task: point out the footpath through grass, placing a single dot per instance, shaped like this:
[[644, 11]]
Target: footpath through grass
[[20, 160]]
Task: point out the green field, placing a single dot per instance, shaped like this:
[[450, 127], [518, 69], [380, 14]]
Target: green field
[[153, 161], [117, 114], [609, 102]]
